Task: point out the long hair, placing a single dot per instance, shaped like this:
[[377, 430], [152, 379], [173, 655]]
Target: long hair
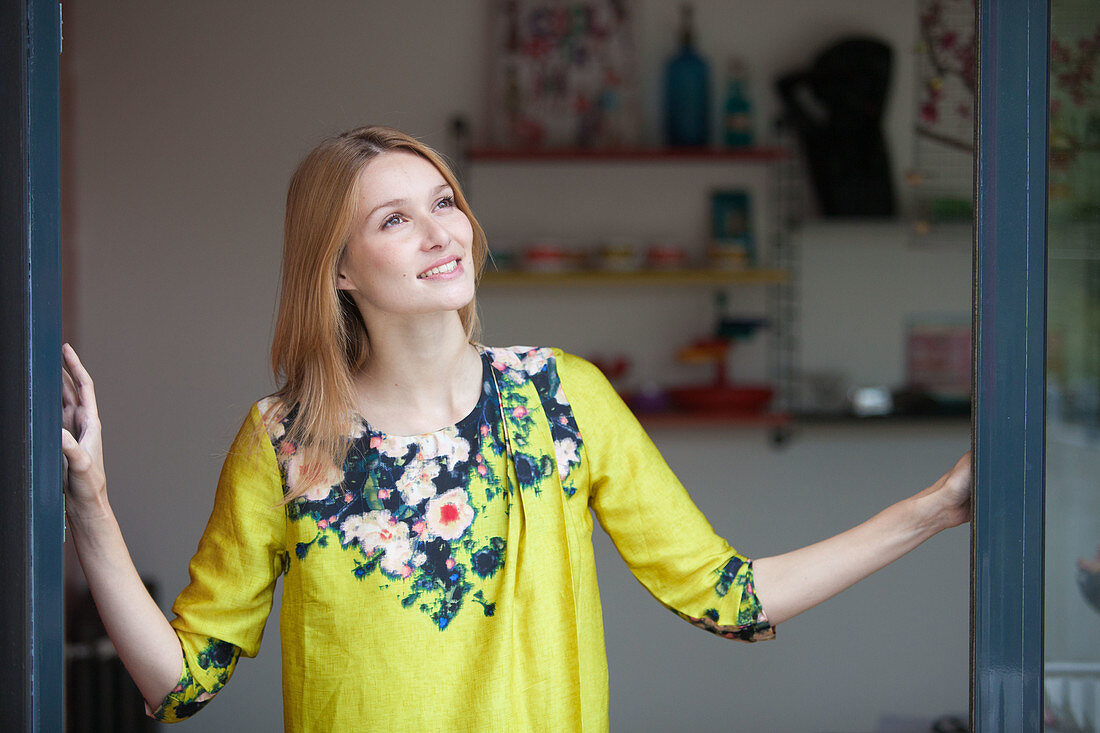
[[320, 339]]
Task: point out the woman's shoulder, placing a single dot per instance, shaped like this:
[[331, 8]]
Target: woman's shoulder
[[273, 414], [520, 363], [531, 359], [534, 362]]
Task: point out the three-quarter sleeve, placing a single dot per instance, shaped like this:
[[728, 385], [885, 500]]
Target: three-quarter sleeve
[[667, 543], [221, 614]]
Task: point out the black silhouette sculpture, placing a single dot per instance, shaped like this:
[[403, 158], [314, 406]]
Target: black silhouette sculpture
[[836, 107]]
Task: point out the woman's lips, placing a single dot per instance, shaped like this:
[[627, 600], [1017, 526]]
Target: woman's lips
[[446, 270]]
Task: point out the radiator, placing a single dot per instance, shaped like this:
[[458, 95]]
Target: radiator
[[101, 697]]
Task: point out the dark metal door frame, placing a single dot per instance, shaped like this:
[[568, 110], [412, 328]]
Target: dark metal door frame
[[31, 650], [1010, 367], [1009, 328]]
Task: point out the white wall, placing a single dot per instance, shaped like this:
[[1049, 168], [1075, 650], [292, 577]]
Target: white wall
[[187, 121]]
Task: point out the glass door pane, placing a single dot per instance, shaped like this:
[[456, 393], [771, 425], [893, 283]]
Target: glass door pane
[[1072, 544]]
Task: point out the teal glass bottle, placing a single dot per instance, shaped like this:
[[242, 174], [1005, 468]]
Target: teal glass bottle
[[737, 124], [687, 90]]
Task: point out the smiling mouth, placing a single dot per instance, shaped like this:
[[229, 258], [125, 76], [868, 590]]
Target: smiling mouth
[[441, 270]]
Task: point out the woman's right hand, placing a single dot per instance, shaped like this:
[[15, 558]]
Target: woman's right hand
[[81, 438], [145, 641]]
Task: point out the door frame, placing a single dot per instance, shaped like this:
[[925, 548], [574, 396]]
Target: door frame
[[1009, 366], [31, 639], [1006, 683]]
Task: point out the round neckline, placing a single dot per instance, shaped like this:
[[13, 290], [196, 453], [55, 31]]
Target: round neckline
[[486, 377]]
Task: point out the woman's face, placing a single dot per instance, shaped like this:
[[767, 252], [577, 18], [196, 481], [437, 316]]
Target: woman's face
[[410, 248]]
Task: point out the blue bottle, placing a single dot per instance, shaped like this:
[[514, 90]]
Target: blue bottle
[[687, 90]]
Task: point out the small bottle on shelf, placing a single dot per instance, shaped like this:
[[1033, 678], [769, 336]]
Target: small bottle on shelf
[[737, 127]]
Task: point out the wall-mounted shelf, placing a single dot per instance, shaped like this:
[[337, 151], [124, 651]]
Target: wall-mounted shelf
[[642, 277], [672, 155], [779, 425], [684, 419], [846, 418], [782, 426], [779, 279]]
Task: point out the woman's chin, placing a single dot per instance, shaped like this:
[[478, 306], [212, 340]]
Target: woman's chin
[[461, 297], [443, 301]]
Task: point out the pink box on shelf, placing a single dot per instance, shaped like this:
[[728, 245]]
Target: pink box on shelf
[[938, 358]]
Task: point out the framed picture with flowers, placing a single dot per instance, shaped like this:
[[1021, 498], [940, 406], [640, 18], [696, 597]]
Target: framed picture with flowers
[[562, 74]]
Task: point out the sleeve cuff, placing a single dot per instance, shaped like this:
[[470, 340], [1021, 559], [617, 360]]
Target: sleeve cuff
[[190, 695], [751, 622]]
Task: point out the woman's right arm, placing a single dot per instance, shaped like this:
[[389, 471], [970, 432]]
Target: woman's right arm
[[147, 645]]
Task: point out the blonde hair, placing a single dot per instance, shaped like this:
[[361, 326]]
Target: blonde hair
[[320, 339]]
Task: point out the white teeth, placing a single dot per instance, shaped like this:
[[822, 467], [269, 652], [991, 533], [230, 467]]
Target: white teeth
[[449, 267]]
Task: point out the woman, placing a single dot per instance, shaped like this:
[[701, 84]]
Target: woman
[[427, 498]]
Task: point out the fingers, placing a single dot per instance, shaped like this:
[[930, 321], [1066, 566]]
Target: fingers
[[68, 401], [68, 389], [77, 457], [82, 381]]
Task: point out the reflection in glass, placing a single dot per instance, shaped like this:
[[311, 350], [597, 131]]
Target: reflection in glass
[[1072, 552]]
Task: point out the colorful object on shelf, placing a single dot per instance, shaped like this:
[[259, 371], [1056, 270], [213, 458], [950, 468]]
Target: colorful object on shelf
[[648, 400], [666, 257], [548, 256], [618, 255], [614, 367], [731, 228], [730, 399], [722, 396], [739, 328], [732, 259], [687, 90], [737, 124], [937, 356], [563, 74], [706, 351]]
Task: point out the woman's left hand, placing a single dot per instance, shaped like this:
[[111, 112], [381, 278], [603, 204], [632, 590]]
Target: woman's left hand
[[952, 491]]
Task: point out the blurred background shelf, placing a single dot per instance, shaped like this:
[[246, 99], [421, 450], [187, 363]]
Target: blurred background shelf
[[690, 419], [896, 418], [767, 281], [671, 155], [641, 277], [683, 418]]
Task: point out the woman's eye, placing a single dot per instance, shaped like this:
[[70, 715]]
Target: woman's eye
[[446, 202], [391, 220]]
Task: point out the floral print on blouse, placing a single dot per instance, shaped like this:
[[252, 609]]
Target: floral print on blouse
[[402, 505], [189, 696], [462, 535]]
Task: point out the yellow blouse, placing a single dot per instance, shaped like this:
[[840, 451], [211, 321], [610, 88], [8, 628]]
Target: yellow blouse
[[446, 581]]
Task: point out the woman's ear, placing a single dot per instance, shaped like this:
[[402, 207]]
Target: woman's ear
[[342, 281]]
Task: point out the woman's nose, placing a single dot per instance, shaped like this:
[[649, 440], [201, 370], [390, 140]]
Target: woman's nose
[[435, 235]]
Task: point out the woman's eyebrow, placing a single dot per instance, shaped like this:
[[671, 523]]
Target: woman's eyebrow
[[401, 202]]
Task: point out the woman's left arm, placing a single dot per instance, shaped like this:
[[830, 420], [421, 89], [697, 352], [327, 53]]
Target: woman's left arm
[[796, 581]]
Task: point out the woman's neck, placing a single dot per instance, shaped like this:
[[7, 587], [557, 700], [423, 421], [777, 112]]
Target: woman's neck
[[419, 377]]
